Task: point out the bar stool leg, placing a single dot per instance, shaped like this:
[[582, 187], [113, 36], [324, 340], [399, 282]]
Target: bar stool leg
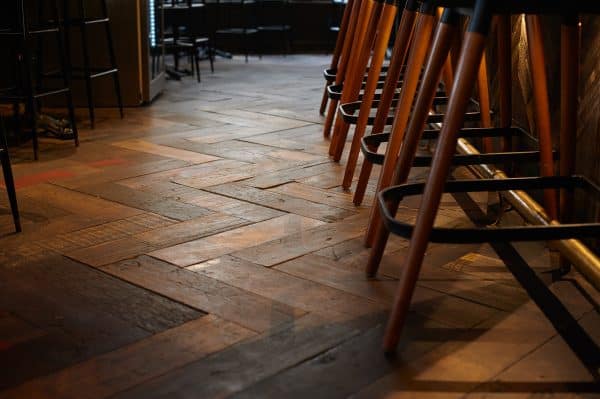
[[113, 61], [569, 82], [470, 60], [440, 50], [354, 78], [403, 40], [9, 181], [542, 107], [339, 44], [386, 24], [87, 65], [416, 61], [504, 39], [346, 57], [66, 75]]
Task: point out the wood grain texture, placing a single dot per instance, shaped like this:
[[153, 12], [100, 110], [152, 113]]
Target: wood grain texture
[[252, 311]]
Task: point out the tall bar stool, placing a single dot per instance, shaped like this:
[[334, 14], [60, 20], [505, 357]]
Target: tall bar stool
[[9, 181], [365, 35], [384, 30], [330, 73], [88, 72], [357, 36], [469, 63], [31, 24]]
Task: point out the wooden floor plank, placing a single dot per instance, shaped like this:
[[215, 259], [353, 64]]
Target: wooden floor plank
[[252, 311], [245, 364], [234, 240], [282, 202], [164, 151], [282, 287], [126, 367], [295, 245], [79, 313]]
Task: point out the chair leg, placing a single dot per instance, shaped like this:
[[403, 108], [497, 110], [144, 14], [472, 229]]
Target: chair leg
[[197, 63], [569, 82], [353, 73], [442, 43], [345, 60], [403, 40], [386, 24], [466, 75], [504, 38], [364, 51], [542, 106], [416, 61], [10, 188], [324, 100]]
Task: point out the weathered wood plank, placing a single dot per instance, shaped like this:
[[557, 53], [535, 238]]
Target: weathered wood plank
[[165, 151], [278, 286], [295, 245], [111, 251], [252, 311], [190, 230], [282, 202], [126, 367], [144, 200], [234, 240], [243, 365], [79, 313]]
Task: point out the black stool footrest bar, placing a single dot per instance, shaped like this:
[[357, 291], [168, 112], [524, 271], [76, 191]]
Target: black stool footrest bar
[[374, 140], [493, 234]]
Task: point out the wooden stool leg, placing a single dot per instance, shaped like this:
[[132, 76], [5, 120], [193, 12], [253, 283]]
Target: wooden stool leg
[[542, 106], [504, 39], [354, 80], [466, 75], [484, 102], [403, 40], [569, 82], [386, 24], [337, 51], [345, 58], [416, 60], [440, 51]]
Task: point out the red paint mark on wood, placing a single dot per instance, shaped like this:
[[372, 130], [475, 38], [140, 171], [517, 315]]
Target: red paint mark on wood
[[43, 177]]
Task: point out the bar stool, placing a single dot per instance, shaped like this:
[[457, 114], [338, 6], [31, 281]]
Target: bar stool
[[469, 63], [29, 84], [88, 72], [360, 34], [385, 25], [330, 73], [9, 181]]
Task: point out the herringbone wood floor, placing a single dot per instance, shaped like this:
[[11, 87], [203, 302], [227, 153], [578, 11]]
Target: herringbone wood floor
[[202, 247]]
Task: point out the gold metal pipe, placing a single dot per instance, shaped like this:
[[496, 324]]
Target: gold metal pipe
[[580, 256]]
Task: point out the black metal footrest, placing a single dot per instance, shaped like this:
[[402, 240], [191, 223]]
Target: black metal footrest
[[369, 145], [330, 74], [494, 234], [334, 92], [349, 111]]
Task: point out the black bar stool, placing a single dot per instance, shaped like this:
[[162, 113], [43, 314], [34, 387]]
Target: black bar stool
[[32, 22], [82, 20]]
